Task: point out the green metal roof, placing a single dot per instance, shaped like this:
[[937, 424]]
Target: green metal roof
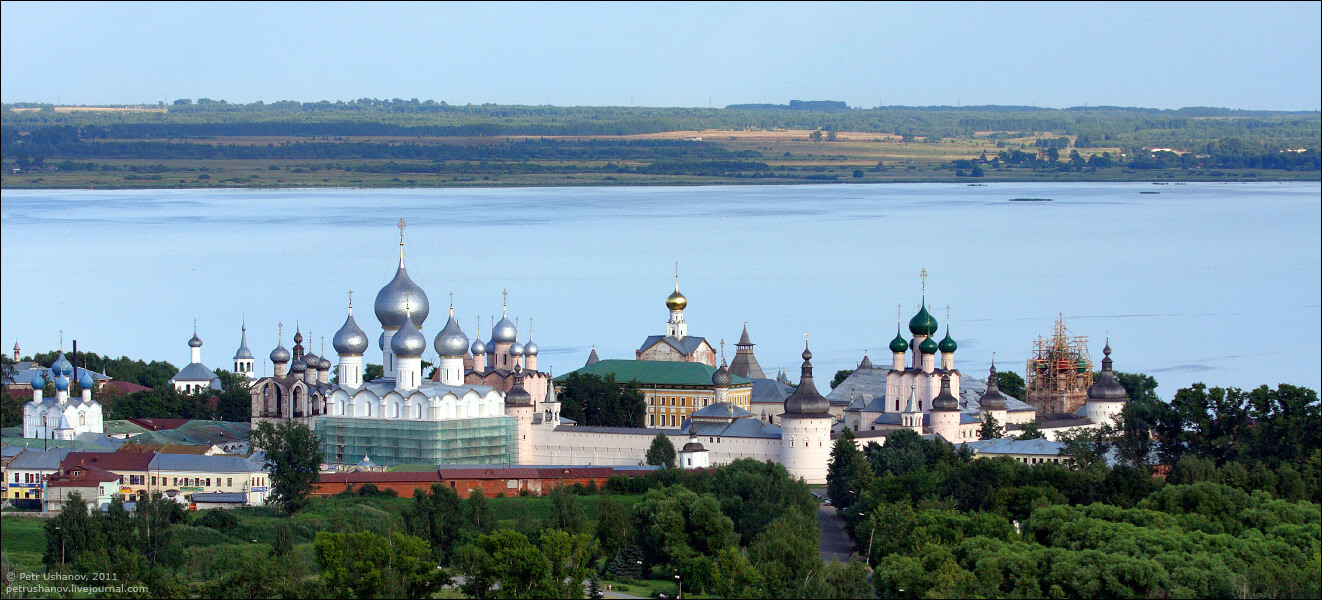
[[655, 372], [123, 427]]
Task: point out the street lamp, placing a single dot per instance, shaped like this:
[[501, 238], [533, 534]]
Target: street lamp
[[680, 584], [57, 528]]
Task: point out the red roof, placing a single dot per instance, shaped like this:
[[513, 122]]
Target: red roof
[[447, 473], [85, 477], [380, 477], [110, 461], [125, 387], [159, 424]]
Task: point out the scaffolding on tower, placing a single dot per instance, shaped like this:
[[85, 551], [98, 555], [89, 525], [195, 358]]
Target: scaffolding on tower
[[1059, 372]]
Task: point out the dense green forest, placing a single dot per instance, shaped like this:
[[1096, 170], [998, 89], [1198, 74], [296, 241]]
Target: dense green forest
[[1234, 138], [1236, 514], [372, 117], [743, 530]]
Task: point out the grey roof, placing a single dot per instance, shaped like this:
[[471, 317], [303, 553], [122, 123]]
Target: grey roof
[[721, 410], [222, 463], [36, 459], [686, 346], [194, 372], [770, 390], [384, 386], [1039, 446], [894, 419], [25, 376], [749, 428], [861, 381], [221, 497], [873, 381]]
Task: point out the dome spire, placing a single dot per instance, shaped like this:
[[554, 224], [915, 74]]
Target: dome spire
[[806, 401], [351, 302], [401, 243]]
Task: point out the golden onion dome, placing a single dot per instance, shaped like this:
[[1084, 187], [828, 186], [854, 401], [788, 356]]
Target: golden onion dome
[[676, 300]]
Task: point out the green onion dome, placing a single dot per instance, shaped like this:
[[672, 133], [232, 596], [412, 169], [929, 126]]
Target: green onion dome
[[898, 344], [928, 346], [1082, 365], [948, 345], [923, 323]]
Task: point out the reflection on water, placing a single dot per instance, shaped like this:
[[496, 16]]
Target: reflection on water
[[1211, 282]]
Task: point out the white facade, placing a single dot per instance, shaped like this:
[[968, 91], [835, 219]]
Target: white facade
[[806, 446], [62, 417]]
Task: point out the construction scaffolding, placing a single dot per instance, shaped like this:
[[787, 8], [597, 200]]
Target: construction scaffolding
[[391, 442], [1059, 372]]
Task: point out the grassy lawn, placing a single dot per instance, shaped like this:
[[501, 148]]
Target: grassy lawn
[[23, 541]]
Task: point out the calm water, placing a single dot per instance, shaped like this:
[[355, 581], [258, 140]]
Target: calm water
[[1202, 282]]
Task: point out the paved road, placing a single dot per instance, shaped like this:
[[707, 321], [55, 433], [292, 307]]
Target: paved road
[[834, 543]]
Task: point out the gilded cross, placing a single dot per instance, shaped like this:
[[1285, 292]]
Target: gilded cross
[[922, 274]]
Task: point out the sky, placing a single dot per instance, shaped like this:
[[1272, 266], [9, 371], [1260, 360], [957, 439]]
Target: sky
[[1262, 56]]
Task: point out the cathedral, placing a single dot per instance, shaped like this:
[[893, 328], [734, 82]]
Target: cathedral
[[404, 417], [61, 417]]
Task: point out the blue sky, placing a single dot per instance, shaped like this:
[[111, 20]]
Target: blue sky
[[1237, 55]]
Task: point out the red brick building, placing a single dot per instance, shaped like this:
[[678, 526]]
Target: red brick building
[[493, 481]]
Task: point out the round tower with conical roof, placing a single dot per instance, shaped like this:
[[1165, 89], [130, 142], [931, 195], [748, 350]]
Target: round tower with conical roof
[[243, 358], [992, 402], [945, 413], [1106, 397], [805, 428], [519, 406]]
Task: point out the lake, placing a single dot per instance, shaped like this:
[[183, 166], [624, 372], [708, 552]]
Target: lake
[[1209, 282]]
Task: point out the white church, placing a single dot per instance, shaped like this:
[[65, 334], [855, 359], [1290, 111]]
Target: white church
[[61, 417]]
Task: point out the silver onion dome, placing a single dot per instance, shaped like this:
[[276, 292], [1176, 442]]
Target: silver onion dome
[[491, 345], [451, 341], [408, 341], [721, 378], [400, 297], [311, 360], [350, 340], [516, 349], [280, 354], [381, 341], [195, 342], [298, 366], [479, 347], [503, 332], [325, 364], [530, 349]]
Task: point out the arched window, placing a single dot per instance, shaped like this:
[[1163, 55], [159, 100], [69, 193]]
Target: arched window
[[82, 418]]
